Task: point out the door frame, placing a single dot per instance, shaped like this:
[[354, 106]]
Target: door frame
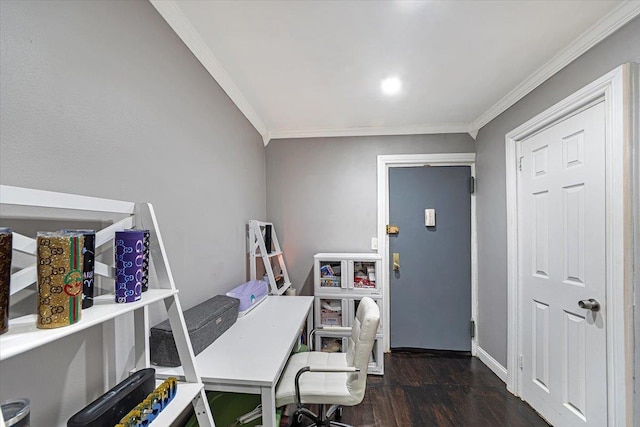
[[614, 89], [418, 160]]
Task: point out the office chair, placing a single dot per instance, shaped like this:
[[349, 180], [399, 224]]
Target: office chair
[[336, 379]]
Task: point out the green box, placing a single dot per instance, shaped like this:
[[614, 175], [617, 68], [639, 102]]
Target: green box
[[227, 407]]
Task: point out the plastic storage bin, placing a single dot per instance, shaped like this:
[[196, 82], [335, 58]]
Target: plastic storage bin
[[250, 295]]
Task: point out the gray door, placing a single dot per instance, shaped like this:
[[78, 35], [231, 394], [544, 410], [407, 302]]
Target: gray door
[[430, 293]]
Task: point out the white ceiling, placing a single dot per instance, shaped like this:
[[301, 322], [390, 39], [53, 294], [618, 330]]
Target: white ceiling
[[314, 68]]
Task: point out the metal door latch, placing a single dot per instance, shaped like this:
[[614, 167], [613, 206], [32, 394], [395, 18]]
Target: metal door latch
[[589, 304]]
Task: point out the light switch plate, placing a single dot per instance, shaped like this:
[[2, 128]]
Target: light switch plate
[[374, 243], [430, 217]]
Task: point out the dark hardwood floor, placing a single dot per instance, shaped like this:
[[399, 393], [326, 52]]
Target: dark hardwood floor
[[426, 389]]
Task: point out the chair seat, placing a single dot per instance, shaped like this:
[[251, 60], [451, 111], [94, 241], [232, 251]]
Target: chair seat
[[316, 387]]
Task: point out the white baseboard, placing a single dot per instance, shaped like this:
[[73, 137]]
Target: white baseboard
[[492, 364]]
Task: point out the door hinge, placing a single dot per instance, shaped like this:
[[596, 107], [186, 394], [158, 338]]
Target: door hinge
[[521, 362], [520, 163], [473, 328], [472, 185]]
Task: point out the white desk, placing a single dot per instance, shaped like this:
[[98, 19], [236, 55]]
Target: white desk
[[250, 356]]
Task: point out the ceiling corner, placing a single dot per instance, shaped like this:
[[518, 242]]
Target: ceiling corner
[[618, 17], [172, 14]]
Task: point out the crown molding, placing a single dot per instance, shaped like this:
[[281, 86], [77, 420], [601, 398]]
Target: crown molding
[[171, 13], [599, 31], [372, 131]]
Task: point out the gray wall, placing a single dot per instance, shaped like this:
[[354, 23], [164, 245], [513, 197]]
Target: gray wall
[[86, 85], [321, 192], [621, 47]]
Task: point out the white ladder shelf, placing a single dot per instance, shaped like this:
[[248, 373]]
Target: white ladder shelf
[[23, 335], [258, 249]]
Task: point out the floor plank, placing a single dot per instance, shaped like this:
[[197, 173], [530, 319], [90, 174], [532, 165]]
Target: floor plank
[[425, 389]]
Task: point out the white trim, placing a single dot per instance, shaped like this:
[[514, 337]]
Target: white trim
[[171, 13], [492, 364], [513, 301], [474, 264], [412, 160], [613, 88], [372, 131], [595, 34], [635, 237]]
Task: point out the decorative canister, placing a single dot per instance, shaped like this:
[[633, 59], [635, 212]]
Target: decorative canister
[[16, 412], [88, 259], [129, 257], [59, 262], [145, 257], [6, 251]]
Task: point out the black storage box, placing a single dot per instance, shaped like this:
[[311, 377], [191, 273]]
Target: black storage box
[[108, 409], [205, 323]]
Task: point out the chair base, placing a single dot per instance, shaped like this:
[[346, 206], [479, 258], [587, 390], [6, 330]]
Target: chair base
[[331, 423], [318, 420]]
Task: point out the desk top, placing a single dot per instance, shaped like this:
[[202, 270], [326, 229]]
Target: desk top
[[254, 350]]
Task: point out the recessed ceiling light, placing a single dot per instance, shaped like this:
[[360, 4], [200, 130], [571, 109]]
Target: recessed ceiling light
[[391, 85]]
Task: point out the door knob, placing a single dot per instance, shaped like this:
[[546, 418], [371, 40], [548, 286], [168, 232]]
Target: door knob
[[589, 304], [396, 261]]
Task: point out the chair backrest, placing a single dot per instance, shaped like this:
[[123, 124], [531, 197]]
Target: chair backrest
[[363, 335]]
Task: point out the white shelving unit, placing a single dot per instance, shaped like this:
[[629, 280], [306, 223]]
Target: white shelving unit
[[345, 307], [347, 273], [341, 280], [184, 397], [23, 335], [270, 256]]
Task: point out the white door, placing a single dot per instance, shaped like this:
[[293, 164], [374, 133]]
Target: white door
[[561, 214]]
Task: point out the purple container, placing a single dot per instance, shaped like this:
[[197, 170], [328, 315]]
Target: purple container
[[145, 259], [129, 254], [250, 294]]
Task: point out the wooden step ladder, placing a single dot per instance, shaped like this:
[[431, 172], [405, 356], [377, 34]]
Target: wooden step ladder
[[261, 235]]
